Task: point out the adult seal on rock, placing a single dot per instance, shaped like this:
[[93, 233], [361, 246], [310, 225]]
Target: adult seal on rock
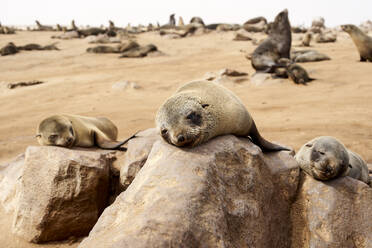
[[74, 130], [201, 110], [276, 46], [362, 41], [325, 158]]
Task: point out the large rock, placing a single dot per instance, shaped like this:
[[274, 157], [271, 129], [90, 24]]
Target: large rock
[[136, 155], [62, 193], [334, 214], [225, 193], [10, 177]]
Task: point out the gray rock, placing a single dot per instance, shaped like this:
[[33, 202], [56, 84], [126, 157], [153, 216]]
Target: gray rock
[[262, 79], [124, 85], [331, 214], [136, 155], [10, 176], [224, 193], [62, 193]]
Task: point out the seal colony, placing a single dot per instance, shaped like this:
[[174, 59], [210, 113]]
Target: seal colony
[[201, 110], [74, 130]]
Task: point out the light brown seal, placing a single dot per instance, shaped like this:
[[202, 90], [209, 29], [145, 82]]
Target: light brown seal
[[276, 46], [362, 41], [74, 130], [325, 158], [201, 110]]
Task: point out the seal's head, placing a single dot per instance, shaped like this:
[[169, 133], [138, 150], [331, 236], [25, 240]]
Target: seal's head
[[348, 28], [281, 23], [182, 120], [323, 158], [56, 130]]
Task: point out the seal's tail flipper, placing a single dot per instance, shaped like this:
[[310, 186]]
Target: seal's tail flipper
[[265, 145], [112, 145]]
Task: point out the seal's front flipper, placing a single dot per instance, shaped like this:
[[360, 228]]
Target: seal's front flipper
[[104, 143]]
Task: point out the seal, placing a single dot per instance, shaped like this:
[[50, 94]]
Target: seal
[[362, 41], [74, 130], [358, 168], [325, 158], [201, 110], [277, 45], [172, 20], [307, 39], [298, 74]]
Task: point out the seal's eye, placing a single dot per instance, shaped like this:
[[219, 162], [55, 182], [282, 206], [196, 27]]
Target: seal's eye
[[71, 131], [164, 131], [322, 153], [52, 137], [194, 118], [308, 145]]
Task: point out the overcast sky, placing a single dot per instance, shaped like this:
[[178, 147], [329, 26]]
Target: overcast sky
[[94, 12]]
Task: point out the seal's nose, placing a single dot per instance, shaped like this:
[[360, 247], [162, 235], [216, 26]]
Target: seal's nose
[[180, 138]]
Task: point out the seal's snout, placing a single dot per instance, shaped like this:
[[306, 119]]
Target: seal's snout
[[69, 141], [180, 138]]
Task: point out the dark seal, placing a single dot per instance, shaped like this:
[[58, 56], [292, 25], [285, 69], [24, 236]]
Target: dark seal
[[276, 46]]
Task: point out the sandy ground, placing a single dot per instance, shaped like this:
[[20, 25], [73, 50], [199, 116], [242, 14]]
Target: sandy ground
[[338, 103]]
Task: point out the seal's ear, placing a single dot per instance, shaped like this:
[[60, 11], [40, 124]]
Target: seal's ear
[[38, 135], [205, 105]]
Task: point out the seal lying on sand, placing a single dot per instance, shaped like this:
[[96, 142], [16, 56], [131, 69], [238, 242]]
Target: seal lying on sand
[[8, 49], [325, 158], [362, 41], [298, 74], [33, 46], [265, 57], [201, 110], [81, 131]]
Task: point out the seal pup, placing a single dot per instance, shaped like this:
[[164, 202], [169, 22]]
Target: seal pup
[[325, 158], [74, 130], [277, 45], [298, 74], [201, 110], [362, 41]]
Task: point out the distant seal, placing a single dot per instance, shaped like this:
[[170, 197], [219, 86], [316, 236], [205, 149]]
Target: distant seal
[[325, 158], [201, 110], [103, 49], [277, 45], [180, 22], [298, 74], [172, 20], [8, 49], [362, 41], [43, 27], [74, 130], [307, 39], [197, 20]]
